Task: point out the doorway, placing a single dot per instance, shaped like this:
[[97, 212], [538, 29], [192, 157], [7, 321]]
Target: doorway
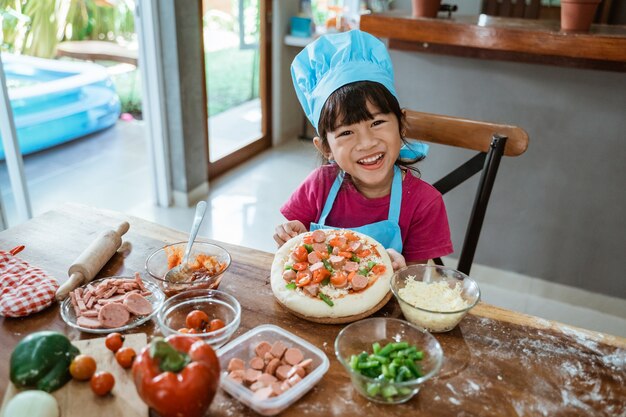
[[237, 49]]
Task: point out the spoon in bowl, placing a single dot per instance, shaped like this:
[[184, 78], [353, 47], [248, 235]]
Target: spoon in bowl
[[181, 272]]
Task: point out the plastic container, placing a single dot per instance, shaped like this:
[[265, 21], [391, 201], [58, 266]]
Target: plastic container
[[243, 348], [301, 27]]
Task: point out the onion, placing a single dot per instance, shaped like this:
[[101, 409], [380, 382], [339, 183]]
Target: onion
[[32, 404]]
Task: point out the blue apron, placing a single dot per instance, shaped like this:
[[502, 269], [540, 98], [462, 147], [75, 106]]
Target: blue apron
[[386, 232]]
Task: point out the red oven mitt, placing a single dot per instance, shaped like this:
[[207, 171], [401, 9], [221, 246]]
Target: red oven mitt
[[24, 289]]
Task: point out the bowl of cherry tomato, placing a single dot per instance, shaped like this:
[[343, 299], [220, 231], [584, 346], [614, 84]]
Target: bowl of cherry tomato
[[210, 315]]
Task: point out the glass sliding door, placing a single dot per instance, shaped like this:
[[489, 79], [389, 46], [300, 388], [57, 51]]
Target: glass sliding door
[[237, 80]]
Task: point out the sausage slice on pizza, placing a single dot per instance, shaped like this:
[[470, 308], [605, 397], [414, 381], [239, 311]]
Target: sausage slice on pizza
[[332, 276]]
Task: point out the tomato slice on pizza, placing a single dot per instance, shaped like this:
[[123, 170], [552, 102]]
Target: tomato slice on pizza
[[331, 273]]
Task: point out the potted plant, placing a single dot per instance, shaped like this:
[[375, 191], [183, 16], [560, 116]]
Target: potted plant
[[426, 8], [577, 15]]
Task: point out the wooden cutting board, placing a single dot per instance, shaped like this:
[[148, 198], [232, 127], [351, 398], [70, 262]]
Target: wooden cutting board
[[76, 398]]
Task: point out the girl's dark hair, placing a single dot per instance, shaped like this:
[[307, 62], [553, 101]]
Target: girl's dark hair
[[348, 105]]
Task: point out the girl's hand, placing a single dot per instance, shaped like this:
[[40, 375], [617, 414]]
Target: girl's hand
[[397, 260], [286, 231]]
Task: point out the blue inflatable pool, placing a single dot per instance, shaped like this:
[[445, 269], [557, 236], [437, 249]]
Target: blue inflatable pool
[[57, 101]]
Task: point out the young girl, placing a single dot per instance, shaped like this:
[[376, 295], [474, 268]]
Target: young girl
[[345, 85]]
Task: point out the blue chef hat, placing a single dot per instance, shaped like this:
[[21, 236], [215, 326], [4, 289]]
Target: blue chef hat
[[333, 61]]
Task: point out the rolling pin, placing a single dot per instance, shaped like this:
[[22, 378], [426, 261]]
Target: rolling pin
[[91, 261]]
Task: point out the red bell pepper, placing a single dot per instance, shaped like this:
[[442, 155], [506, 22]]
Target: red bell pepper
[[178, 376]]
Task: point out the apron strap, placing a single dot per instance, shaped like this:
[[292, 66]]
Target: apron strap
[[330, 200], [395, 201]]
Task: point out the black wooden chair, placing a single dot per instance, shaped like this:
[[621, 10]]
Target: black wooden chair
[[491, 140]]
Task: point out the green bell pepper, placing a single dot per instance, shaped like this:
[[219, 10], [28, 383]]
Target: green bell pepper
[[42, 361]]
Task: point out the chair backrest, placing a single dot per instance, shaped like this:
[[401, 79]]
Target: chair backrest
[[512, 8], [491, 140]]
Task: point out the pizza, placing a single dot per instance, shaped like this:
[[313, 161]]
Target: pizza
[[332, 275]]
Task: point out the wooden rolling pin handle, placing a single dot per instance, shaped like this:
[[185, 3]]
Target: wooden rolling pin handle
[[75, 280], [91, 261], [122, 229]]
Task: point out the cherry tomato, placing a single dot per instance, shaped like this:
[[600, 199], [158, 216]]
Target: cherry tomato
[[339, 279], [184, 330], [303, 278], [379, 269], [216, 324], [114, 341], [300, 266], [102, 383], [197, 319], [82, 367], [300, 254], [125, 357], [320, 275]]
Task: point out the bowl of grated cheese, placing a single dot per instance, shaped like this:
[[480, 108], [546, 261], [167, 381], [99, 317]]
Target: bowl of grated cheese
[[434, 297]]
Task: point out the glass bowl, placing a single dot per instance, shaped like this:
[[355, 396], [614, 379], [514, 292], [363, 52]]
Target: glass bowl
[[68, 313], [165, 258], [434, 297], [359, 337], [216, 304]]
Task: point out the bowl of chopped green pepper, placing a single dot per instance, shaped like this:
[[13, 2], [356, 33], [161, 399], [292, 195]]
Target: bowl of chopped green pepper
[[388, 359]]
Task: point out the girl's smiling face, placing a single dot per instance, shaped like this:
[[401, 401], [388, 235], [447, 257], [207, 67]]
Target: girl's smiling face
[[366, 150]]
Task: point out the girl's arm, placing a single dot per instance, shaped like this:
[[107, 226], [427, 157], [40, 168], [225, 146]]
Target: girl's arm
[[286, 231]]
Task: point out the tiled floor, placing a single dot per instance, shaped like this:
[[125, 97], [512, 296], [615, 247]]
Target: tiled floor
[[110, 170], [224, 139]]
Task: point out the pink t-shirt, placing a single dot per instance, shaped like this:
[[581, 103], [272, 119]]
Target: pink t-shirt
[[423, 220]]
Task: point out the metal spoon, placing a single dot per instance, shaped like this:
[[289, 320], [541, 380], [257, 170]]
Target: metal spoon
[[180, 273]]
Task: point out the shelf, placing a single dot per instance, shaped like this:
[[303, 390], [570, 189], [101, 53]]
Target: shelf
[[297, 41], [488, 37]]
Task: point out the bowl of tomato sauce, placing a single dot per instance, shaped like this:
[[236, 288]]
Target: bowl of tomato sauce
[[210, 315], [206, 267]]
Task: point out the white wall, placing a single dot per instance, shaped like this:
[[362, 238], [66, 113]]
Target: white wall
[[557, 211]]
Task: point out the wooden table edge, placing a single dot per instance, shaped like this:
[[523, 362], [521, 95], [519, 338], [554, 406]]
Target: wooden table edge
[[502, 314]]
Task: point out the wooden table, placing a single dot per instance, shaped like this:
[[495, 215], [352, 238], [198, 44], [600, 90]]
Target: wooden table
[[497, 362], [503, 38], [98, 51]]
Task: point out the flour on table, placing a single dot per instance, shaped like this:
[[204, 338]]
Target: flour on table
[[572, 369], [616, 360], [451, 388], [472, 385], [570, 399]]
